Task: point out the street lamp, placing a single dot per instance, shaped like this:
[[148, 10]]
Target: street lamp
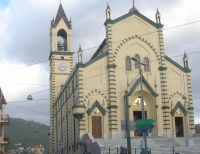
[[30, 98], [142, 99]]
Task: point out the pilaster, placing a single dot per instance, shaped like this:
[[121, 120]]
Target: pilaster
[[190, 104], [163, 84], [112, 108]]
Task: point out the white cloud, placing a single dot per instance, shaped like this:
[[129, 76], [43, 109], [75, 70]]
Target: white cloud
[[24, 39]]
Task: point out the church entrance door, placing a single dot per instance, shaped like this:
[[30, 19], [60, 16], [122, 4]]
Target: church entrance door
[[96, 127], [136, 116], [179, 126]]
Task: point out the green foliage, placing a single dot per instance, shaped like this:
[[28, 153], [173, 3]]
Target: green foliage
[[27, 133]]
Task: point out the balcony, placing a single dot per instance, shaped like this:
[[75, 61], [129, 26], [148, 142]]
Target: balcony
[[5, 120], [5, 140]]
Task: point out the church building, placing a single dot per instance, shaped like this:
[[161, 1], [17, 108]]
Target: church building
[[90, 97]]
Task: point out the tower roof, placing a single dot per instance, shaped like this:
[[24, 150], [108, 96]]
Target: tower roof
[[108, 7], [80, 50], [157, 12], [185, 56], [133, 8], [61, 15]]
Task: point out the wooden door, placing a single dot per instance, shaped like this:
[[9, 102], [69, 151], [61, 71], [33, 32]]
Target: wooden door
[[96, 127], [136, 116]]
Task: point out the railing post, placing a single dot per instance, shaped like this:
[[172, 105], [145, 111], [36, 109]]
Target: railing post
[[150, 150], [173, 150], [117, 150], [135, 150], [109, 150]]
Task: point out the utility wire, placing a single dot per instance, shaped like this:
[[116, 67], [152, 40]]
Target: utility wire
[[28, 110], [25, 66], [151, 33], [107, 72], [112, 42], [102, 73]]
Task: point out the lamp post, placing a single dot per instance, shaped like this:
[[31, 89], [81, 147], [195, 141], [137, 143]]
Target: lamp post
[[128, 124], [142, 100], [187, 128]]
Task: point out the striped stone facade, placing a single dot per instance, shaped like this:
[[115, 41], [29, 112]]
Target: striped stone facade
[[99, 86], [163, 84], [112, 109]]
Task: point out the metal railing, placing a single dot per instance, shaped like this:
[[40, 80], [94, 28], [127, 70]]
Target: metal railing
[[111, 150]]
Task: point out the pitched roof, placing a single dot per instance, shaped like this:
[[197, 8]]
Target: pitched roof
[[61, 15]]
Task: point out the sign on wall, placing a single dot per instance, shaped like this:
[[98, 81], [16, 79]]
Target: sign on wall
[[60, 144]]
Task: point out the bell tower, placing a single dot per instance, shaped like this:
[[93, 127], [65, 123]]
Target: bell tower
[[61, 62]]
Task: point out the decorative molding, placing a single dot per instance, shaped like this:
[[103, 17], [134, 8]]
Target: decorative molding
[[162, 68], [111, 66], [186, 70], [181, 107], [134, 37], [112, 106], [98, 105], [138, 14], [146, 84], [190, 108], [99, 49], [165, 107], [95, 59]]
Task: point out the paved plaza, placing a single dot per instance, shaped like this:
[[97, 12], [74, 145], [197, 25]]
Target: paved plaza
[[157, 145]]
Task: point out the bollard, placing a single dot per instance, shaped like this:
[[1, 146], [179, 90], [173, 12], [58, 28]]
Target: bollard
[[173, 150], [117, 150], [150, 150], [109, 150], [135, 150]]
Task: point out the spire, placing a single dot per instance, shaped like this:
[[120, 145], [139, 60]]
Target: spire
[[80, 54], [108, 7], [158, 17], [133, 8], [70, 21], [157, 11], [185, 60], [185, 55], [61, 15], [80, 50], [108, 12]]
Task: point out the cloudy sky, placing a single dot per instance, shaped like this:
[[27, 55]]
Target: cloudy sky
[[24, 40]]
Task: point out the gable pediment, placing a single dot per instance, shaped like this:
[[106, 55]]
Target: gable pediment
[[179, 106], [96, 107], [144, 81]]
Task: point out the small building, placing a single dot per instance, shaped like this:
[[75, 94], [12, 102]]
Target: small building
[[38, 149], [4, 120]]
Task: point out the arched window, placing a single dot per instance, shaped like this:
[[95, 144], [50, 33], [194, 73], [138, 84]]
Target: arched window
[[137, 65], [128, 64], [146, 66], [62, 40], [186, 63]]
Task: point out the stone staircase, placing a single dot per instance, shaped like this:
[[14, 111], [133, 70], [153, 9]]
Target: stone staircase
[[157, 145]]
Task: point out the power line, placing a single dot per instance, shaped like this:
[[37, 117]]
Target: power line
[[28, 109], [107, 72], [112, 42], [32, 84], [28, 101], [25, 66], [151, 33]]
